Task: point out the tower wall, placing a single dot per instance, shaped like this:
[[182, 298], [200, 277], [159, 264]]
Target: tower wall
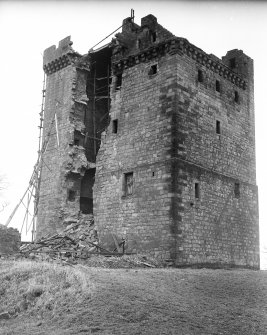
[[196, 136]]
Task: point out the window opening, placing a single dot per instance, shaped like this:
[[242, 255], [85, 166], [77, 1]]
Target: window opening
[[76, 141], [71, 195], [237, 190], [115, 126], [153, 174], [200, 77], [218, 127], [153, 37], [139, 44], [236, 96], [232, 63], [197, 190], [128, 183], [153, 69], [118, 81], [218, 86]]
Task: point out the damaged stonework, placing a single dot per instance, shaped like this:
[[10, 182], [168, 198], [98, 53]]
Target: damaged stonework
[[10, 240], [76, 112], [156, 138]]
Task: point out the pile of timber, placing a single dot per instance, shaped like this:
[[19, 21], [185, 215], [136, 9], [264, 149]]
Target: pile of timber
[[77, 241]]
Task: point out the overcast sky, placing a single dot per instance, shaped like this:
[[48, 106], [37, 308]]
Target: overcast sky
[[27, 28]]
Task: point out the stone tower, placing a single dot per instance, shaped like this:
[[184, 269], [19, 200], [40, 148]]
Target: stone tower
[[173, 173]]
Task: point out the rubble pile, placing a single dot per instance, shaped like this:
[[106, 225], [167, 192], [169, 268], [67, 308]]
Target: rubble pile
[[78, 240]]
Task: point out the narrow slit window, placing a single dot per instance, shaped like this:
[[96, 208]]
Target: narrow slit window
[[237, 190], [232, 63], [153, 69], [236, 96], [128, 183], [115, 126], [118, 82], [197, 190], [200, 77], [138, 44], [153, 37], [218, 127], [218, 86]]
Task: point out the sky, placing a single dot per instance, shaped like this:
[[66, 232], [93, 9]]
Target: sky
[[29, 27]]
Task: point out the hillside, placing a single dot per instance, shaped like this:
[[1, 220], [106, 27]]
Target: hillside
[[46, 298]]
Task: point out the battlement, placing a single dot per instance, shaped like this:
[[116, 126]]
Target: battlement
[[55, 59]]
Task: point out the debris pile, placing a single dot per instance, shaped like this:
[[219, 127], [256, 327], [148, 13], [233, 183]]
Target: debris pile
[[78, 240]]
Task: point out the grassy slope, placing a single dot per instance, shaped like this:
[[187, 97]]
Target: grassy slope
[[51, 299]]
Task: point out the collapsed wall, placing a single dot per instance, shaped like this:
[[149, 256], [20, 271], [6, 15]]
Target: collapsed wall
[[10, 240], [75, 114]]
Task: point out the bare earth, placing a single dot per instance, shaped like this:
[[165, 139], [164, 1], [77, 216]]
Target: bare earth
[[46, 298]]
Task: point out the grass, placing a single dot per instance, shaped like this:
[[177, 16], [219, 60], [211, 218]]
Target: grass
[[46, 298]]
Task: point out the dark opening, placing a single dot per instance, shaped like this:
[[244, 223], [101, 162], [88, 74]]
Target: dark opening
[[153, 174], [218, 127], [118, 81], [232, 63], [218, 86], [237, 190], [86, 195], [236, 96], [153, 69], [96, 118], [153, 37], [200, 77], [86, 205], [197, 190], [71, 195], [115, 126], [76, 141], [138, 44], [129, 183]]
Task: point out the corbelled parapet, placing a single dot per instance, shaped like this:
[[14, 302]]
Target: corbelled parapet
[[181, 46], [55, 59], [140, 44]]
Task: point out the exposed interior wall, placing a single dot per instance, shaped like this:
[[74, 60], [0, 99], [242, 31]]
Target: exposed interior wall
[[76, 111]]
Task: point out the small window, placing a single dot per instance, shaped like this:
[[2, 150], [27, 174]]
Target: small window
[[218, 127], [76, 141], [237, 190], [218, 86], [200, 77], [153, 37], [232, 63], [115, 126], [138, 44], [118, 82], [71, 195], [236, 96], [197, 190], [153, 69], [128, 183]]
